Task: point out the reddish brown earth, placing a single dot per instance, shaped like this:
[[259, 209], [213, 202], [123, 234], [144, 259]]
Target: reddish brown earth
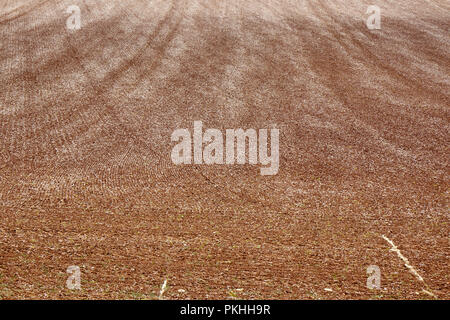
[[86, 177]]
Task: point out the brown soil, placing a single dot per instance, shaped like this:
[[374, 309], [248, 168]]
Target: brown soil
[[85, 171]]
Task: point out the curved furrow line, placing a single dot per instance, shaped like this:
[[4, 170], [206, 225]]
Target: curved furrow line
[[130, 130], [340, 88], [71, 52], [17, 13], [61, 103], [406, 79]]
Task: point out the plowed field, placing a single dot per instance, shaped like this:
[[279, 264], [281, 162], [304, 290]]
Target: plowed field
[[86, 177]]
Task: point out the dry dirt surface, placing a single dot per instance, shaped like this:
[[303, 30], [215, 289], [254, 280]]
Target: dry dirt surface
[[86, 177]]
